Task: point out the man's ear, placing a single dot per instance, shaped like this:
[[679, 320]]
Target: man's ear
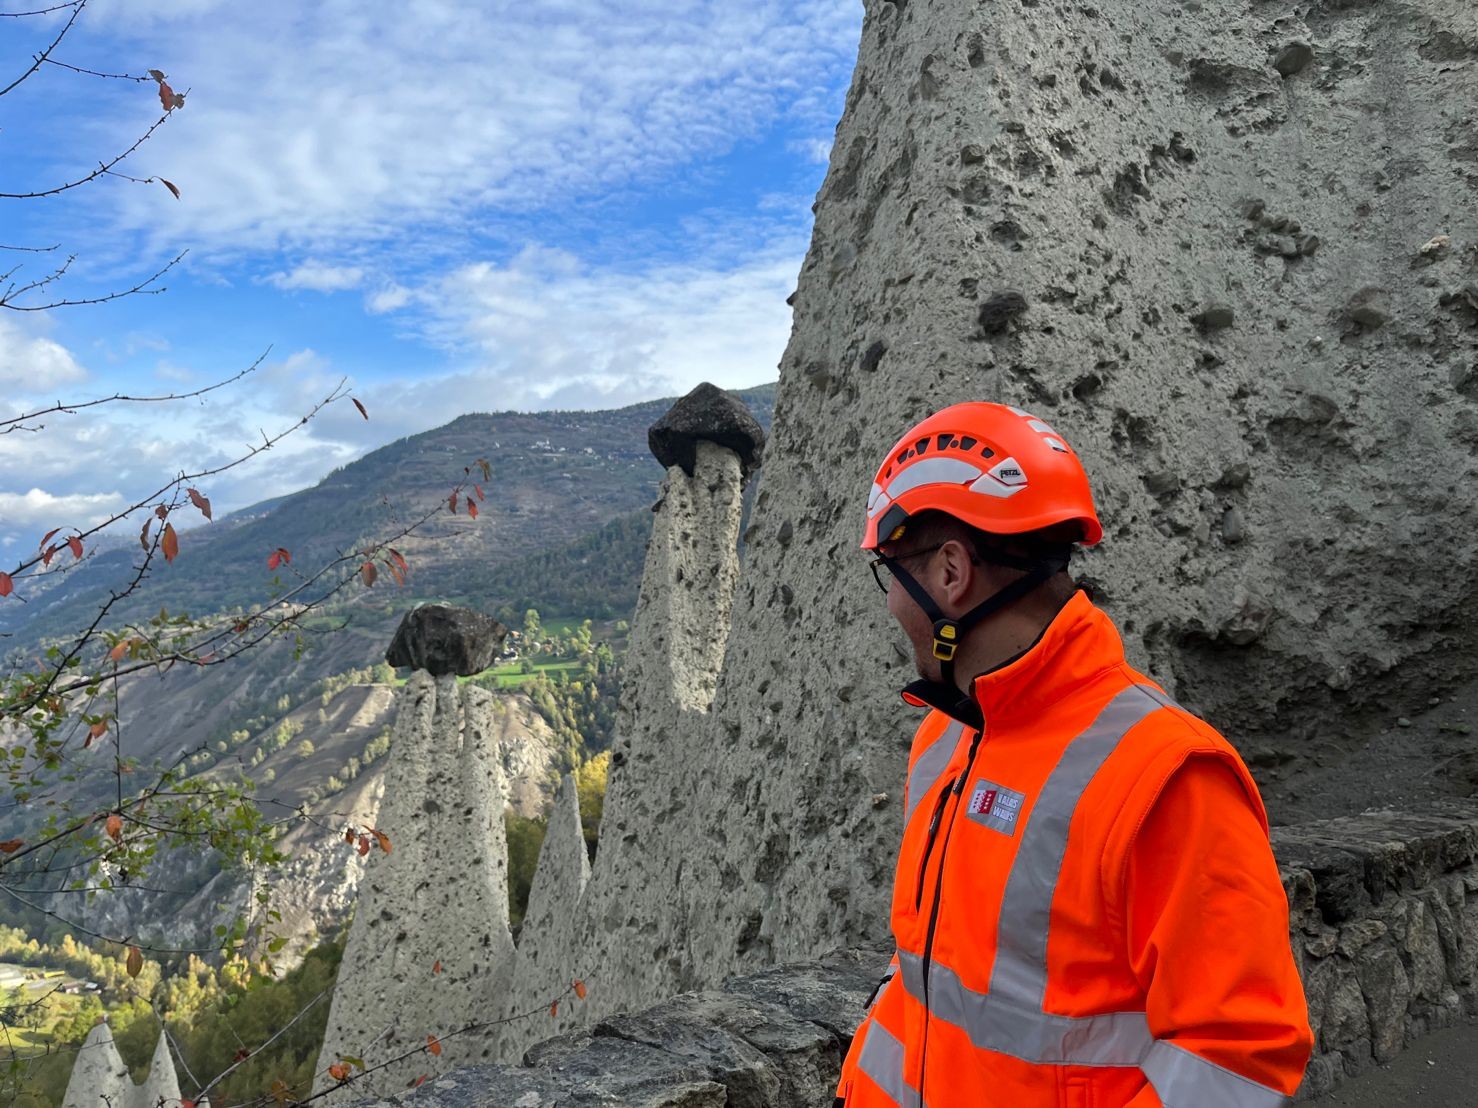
[[958, 571]]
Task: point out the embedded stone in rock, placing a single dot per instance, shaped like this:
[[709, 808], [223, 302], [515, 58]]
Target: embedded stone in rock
[[1369, 307], [972, 154], [441, 639], [1293, 58], [997, 312], [712, 415], [1214, 317]]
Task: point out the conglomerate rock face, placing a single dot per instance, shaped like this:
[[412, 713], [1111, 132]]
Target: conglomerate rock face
[[1108, 215]]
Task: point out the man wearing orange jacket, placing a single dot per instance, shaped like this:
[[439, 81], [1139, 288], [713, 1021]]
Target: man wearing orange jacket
[[1086, 908]]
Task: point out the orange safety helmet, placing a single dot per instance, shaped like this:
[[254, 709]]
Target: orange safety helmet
[[997, 468]]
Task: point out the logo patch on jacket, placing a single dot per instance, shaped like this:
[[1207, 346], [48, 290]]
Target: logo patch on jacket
[[995, 806]]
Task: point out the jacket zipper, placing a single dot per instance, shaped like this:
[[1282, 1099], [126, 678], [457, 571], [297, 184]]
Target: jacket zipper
[[957, 788], [918, 898]]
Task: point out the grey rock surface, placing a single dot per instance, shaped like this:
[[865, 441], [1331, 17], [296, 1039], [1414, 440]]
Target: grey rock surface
[[430, 950], [774, 1040], [707, 414], [441, 639], [101, 1080]]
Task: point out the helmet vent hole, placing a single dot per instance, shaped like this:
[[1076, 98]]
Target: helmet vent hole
[[967, 443], [922, 446]]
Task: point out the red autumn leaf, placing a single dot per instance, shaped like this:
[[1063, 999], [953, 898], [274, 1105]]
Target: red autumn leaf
[[339, 1072], [368, 573], [144, 534], [478, 489], [119, 650], [434, 969], [166, 95], [161, 511], [349, 836], [135, 961], [239, 626], [580, 989], [186, 1102], [400, 561], [50, 553], [200, 502], [241, 1055], [363, 845], [452, 502], [382, 840], [360, 406], [169, 542], [554, 1008], [46, 538], [395, 572], [96, 731], [10, 846], [173, 188], [74, 544], [418, 1082], [114, 826], [433, 1044], [7, 586], [279, 557], [472, 507]]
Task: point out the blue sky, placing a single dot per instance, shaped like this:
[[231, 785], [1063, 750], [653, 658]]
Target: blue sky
[[459, 207]]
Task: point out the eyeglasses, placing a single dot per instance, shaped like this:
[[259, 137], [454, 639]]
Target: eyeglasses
[[882, 565]]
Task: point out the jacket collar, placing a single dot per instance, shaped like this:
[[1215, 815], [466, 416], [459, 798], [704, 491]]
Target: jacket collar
[[1080, 642]]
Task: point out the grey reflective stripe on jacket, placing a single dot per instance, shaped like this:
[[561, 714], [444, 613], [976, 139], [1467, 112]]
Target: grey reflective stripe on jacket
[[882, 1060], [1009, 1017], [931, 765]]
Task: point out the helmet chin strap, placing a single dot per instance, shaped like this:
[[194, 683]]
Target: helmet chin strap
[[949, 633]]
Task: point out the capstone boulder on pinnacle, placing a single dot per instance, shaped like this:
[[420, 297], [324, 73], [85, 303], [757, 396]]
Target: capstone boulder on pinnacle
[[441, 639], [712, 415]]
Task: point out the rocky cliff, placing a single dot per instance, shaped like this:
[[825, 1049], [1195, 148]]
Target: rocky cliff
[[1142, 222]]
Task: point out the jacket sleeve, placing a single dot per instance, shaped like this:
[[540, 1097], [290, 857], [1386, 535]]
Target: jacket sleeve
[[851, 1062], [1207, 928]]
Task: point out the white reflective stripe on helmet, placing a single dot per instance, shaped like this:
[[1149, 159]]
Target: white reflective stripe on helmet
[[933, 471]]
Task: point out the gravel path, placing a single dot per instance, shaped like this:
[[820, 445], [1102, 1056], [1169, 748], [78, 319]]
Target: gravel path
[[1439, 1070]]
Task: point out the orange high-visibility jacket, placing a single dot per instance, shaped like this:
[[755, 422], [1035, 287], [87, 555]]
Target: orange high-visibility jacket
[[1086, 907]]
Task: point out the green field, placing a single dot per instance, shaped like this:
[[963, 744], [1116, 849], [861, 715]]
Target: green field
[[511, 675]]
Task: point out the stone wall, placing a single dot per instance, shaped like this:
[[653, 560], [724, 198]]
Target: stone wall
[[1384, 913], [1384, 922]]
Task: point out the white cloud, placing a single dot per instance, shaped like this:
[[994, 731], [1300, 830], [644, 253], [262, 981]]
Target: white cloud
[[40, 509], [319, 277], [387, 299], [813, 149], [34, 362], [545, 330], [318, 123]]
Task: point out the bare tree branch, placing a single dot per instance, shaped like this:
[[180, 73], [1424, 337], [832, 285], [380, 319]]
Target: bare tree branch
[[95, 73], [73, 409], [102, 168], [41, 57], [40, 11], [7, 300]]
